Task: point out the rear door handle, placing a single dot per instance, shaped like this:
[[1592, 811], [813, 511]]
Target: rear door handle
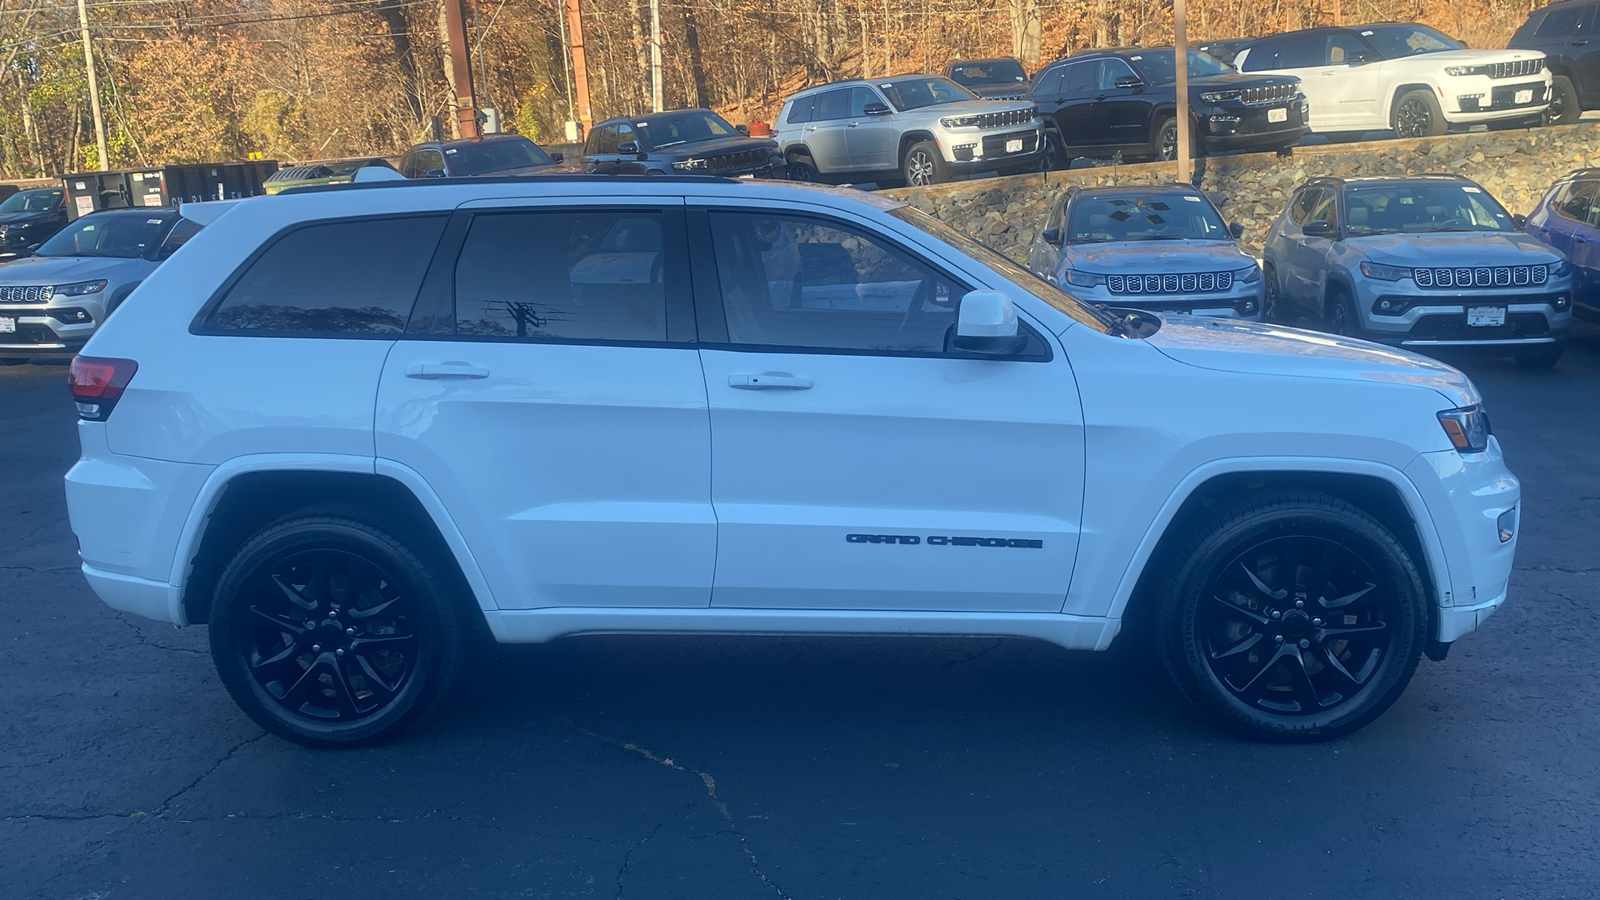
[[445, 370], [769, 381]]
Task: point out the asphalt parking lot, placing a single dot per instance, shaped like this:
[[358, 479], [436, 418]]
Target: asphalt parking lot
[[807, 768]]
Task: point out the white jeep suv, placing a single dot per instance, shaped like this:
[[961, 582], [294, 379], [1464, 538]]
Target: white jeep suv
[[1406, 78], [347, 426]]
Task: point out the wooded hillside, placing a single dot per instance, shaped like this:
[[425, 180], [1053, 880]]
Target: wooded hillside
[[190, 80]]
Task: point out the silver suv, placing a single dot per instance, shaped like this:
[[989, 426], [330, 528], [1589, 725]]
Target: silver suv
[[921, 128]]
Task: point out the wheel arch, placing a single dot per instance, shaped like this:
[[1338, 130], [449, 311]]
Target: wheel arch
[[245, 495], [1383, 492], [914, 136], [1406, 88]]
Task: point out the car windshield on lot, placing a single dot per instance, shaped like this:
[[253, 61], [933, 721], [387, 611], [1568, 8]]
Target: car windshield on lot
[[122, 235], [1157, 216], [988, 72], [1160, 65], [924, 90], [1006, 268], [690, 126], [1421, 208], [1396, 41], [39, 200], [497, 155]]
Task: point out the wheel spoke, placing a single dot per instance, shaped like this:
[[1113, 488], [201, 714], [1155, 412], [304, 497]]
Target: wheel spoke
[[1272, 662], [309, 682], [1236, 608], [1342, 631], [390, 642], [372, 611], [294, 596], [1305, 690], [283, 659], [343, 697], [1347, 599], [1240, 647], [1261, 585], [1335, 665], [278, 622], [382, 690]]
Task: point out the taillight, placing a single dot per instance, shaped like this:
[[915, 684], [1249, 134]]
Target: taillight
[[97, 383]]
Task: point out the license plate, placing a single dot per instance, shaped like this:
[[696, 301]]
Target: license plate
[[1277, 115], [1014, 146], [1525, 96], [1487, 316], [8, 325]]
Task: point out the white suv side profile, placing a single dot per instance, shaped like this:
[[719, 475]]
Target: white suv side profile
[[347, 427], [1407, 78]]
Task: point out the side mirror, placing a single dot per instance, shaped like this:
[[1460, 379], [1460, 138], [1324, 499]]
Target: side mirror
[[1051, 236], [1235, 229], [558, 157], [167, 250], [628, 147], [1129, 82], [1519, 220], [986, 323], [742, 129], [875, 109], [1319, 228], [433, 173]]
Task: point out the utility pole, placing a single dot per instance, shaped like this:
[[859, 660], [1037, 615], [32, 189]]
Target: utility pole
[[1180, 49], [580, 73], [655, 55], [94, 88], [455, 21]]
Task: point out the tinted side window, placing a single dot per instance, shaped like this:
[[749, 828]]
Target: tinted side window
[[801, 110], [1559, 23], [1083, 78], [1262, 57], [607, 142], [833, 104], [1111, 70], [352, 277], [624, 135], [1344, 48], [1322, 208], [801, 282], [179, 235], [1303, 51], [429, 161], [1586, 21], [1300, 209], [859, 98], [595, 275], [1048, 82], [1576, 199]]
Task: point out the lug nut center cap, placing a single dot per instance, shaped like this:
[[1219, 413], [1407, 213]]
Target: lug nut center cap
[[1296, 623]]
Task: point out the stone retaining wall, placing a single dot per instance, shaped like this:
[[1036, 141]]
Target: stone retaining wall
[[1515, 166]]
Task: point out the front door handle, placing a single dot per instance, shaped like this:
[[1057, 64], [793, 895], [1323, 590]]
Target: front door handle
[[769, 381], [853, 124], [445, 370]]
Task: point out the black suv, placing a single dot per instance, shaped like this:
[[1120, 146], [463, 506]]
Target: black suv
[[992, 79], [495, 154], [28, 218], [1565, 33], [1105, 102], [679, 142]]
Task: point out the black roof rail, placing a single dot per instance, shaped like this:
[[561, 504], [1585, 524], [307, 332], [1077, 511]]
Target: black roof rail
[[560, 178]]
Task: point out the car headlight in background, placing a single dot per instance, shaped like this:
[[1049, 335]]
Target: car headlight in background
[[959, 121], [1560, 269], [76, 289], [1084, 279], [1461, 71], [1215, 97], [1247, 275], [1467, 428], [1383, 272], [689, 165]]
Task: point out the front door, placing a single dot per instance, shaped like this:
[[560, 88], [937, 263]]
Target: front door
[[873, 141], [549, 391], [1126, 112], [1308, 254], [1585, 253], [855, 463]]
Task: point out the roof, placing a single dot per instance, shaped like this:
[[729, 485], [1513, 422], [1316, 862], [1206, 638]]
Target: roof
[[1136, 188], [869, 82], [1389, 179]]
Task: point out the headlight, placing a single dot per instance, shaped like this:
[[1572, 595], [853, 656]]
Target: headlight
[[959, 121], [1383, 272], [1560, 269], [689, 165], [77, 289], [1459, 71], [1215, 97], [1247, 275], [1084, 279], [1467, 428]]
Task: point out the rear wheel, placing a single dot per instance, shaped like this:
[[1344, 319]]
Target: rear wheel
[[924, 165], [1291, 617], [1167, 139], [1417, 114], [1543, 357], [330, 631], [1564, 108]]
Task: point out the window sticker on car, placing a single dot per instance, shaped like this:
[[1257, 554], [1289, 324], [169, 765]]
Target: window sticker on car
[[450, 152], [152, 221], [1472, 190], [1192, 199]]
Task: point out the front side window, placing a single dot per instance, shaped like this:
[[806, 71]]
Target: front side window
[[1575, 200], [860, 99], [791, 281], [564, 275], [1322, 208], [1422, 208], [1112, 69], [1161, 66], [1262, 57], [429, 161], [1156, 216], [928, 90], [1398, 41], [117, 235], [1082, 78], [353, 277], [41, 200], [1345, 49]]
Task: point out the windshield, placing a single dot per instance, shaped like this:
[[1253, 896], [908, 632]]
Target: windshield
[[1159, 65], [927, 90], [32, 201], [1003, 266], [1422, 208], [120, 235], [1159, 216], [1395, 41], [496, 156], [994, 71], [690, 126]]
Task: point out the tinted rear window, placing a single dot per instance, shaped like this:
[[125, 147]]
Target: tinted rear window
[[349, 277]]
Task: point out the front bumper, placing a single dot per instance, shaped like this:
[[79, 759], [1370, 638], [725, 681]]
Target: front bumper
[[38, 335], [981, 151], [1466, 495], [1478, 98], [1245, 127], [1533, 316]]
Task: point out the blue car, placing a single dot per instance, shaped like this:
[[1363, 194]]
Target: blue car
[[1568, 219]]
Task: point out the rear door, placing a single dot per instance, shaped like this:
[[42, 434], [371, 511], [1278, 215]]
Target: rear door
[[549, 391], [1584, 51], [848, 444], [1080, 113], [1585, 252]]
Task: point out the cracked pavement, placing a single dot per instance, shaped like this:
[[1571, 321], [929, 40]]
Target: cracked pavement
[[807, 768]]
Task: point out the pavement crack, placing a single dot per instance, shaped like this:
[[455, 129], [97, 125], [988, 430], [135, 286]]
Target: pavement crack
[[1562, 569], [709, 783], [38, 570], [628, 856], [145, 641], [166, 804], [951, 664]]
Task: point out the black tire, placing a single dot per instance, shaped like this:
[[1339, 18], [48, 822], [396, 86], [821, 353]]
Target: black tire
[[1339, 315], [802, 168], [923, 165], [1166, 139], [1272, 294], [1055, 153], [1417, 114], [1564, 108], [1328, 579], [399, 645], [1545, 356]]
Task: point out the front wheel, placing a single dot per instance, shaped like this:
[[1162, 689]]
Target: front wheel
[[924, 165], [1291, 617], [1055, 153], [1340, 316], [330, 631], [1417, 114], [1272, 302], [1564, 108], [801, 168]]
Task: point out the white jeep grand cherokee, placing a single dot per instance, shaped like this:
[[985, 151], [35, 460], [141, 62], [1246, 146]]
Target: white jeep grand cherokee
[[346, 426]]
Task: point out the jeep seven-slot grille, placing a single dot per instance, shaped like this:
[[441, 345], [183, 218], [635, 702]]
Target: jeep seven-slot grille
[[1272, 93], [1005, 119], [737, 162], [1514, 69], [1480, 276], [1185, 283], [30, 294]]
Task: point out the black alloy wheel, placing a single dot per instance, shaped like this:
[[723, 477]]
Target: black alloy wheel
[[1564, 108], [801, 169], [331, 632], [1341, 315], [1271, 302], [1167, 140], [1417, 115]]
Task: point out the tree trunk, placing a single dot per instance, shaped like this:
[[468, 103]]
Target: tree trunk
[[691, 37], [449, 72], [400, 36]]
